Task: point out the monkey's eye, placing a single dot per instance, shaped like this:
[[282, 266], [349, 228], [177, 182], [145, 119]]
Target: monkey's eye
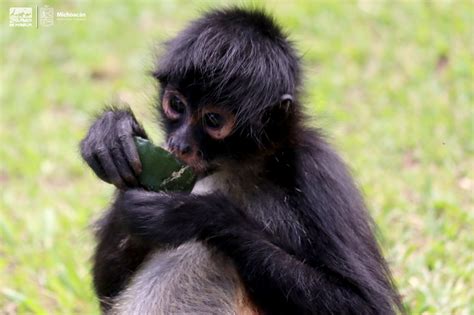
[[174, 106], [177, 105], [213, 120], [218, 123]]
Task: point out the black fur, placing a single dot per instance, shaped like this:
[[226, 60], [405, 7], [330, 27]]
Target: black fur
[[289, 215]]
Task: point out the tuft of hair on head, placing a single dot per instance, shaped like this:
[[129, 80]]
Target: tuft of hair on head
[[242, 57]]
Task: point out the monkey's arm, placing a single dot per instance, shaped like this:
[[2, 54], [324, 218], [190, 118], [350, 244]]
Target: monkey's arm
[[280, 282]]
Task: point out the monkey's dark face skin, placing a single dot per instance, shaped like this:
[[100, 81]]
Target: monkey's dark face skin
[[200, 133]]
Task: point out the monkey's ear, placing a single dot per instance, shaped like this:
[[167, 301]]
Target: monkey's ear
[[279, 112], [285, 102]]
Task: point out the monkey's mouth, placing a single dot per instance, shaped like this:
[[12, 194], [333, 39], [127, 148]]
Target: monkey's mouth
[[198, 165]]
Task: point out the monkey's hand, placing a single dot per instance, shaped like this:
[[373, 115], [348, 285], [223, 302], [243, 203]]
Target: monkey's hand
[[109, 148], [172, 219]]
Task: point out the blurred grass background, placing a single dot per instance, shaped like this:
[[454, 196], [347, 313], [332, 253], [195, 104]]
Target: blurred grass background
[[391, 82]]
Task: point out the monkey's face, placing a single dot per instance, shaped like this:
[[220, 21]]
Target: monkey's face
[[198, 133]]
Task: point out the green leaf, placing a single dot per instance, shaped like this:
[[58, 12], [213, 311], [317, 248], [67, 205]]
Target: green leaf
[[161, 171]]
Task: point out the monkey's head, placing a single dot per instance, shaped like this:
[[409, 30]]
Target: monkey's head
[[229, 84]]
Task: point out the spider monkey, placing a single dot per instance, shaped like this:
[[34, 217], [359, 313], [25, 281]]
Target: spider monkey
[[274, 224]]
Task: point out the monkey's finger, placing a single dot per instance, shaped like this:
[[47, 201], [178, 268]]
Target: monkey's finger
[[98, 169], [131, 152], [128, 145], [109, 167], [94, 164], [123, 168]]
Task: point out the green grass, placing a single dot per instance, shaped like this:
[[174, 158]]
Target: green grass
[[391, 82]]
